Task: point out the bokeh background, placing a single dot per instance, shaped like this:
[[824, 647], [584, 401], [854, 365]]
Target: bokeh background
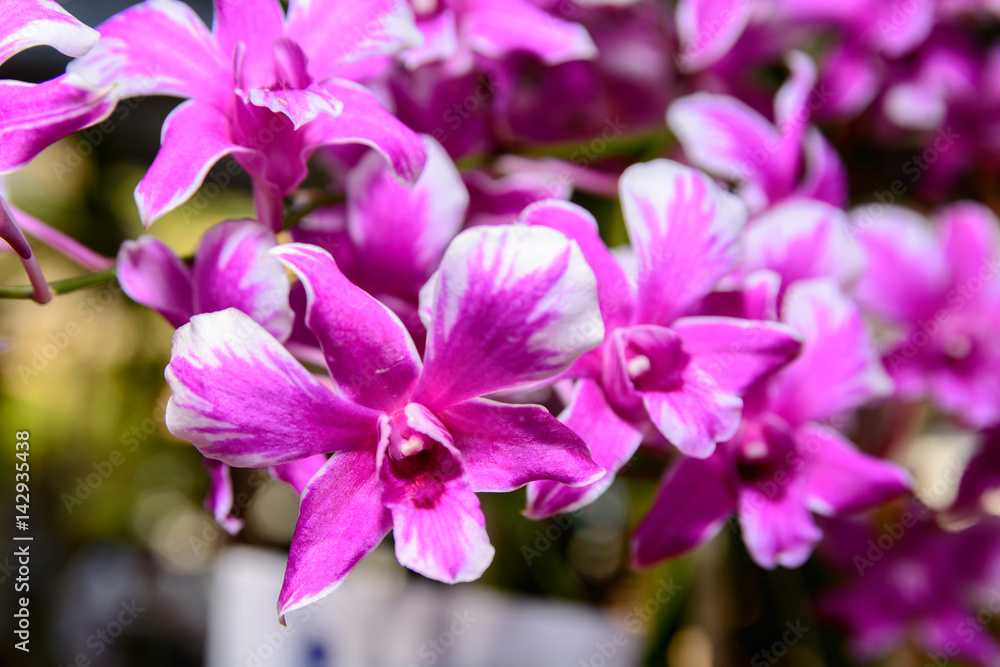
[[116, 501]]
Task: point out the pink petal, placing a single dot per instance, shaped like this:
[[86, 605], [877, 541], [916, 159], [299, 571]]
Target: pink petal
[[369, 353], [438, 526], [971, 237], [708, 29], [497, 28], [692, 504], [737, 353], [791, 104], [510, 307], [908, 276], [219, 500], [152, 275], [613, 287], [825, 177], [297, 474], [839, 479], [341, 520], [30, 23], [685, 232], [195, 136], [240, 397], [231, 271], [725, 137], [158, 47], [801, 239], [611, 440], [695, 416], [839, 368], [35, 116], [777, 529], [255, 24], [336, 33], [300, 106], [505, 446], [364, 121], [400, 233]]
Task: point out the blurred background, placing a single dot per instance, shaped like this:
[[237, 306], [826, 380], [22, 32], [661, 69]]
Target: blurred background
[[128, 569]]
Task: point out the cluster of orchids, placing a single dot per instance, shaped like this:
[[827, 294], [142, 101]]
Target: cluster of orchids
[[384, 347]]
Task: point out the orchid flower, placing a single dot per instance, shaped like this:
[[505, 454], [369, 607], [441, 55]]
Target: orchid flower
[[803, 239], [413, 441], [926, 588], [784, 463], [34, 116], [940, 288], [683, 374], [728, 139], [389, 238], [260, 86], [230, 270]]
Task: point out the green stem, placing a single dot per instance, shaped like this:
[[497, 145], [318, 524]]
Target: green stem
[[61, 286]]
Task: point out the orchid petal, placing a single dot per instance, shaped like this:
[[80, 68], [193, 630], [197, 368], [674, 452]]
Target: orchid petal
[[802, 239], [297, 474], [240, 397], [341, 520], [737, 353], [252, 23], [400, 233], [510, 306], [333, 34], [685, 232], [35, 116], [724, 136], [496, 28], [300, 106], [368, 351], [613, 287], [364, 121], [839, 479], [438, 525], [611, 440], [695, 416], [838, 369], [219, 500], [152, 275], [43, 22], [231, 271], [158, 47], [825, 177], [708, 29], [777, 529], [908, 276], [692, 504], [504, 446], [195, 136]]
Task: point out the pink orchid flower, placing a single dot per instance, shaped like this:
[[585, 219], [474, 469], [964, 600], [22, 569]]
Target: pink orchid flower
[[413, 440], [784, 463], [262, 87], [683, 374]]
